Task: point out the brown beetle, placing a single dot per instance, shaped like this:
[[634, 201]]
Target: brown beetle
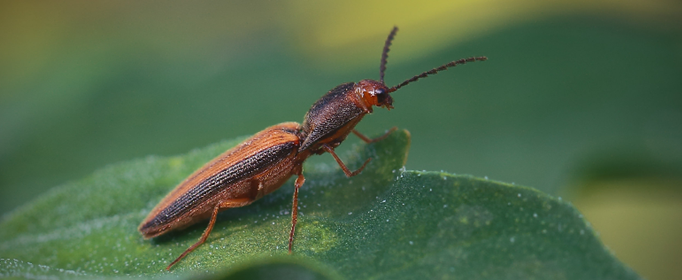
[[262, 163]]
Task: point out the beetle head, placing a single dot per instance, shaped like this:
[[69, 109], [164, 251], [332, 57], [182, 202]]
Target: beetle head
[[374, 93]]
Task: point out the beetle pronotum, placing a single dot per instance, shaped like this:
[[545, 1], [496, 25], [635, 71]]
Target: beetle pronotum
[[262, 163]]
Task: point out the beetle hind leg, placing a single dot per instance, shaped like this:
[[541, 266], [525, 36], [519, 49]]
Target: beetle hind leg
[[222, 205]]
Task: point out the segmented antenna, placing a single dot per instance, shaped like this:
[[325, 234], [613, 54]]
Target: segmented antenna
[[384, 54], [436, 70]]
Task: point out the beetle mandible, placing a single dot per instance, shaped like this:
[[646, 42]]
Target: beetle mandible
[[265, 161]]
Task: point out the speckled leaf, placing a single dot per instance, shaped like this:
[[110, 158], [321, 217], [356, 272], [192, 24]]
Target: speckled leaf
[[385, 223]]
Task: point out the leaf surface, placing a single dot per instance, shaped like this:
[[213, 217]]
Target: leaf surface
[[386, 223]]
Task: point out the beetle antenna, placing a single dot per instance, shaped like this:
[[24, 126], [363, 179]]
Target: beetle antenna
[[436, 70], [384, 54]]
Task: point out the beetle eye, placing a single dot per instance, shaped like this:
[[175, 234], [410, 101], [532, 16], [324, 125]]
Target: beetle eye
[[379, 91], [381, 96]]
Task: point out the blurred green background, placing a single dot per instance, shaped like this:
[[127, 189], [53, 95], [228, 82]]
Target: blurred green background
[[580, 99]]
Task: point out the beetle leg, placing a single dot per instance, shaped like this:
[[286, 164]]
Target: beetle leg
[[369, 140], [256, 191], [225, 204], [343, 166], [294, 210]]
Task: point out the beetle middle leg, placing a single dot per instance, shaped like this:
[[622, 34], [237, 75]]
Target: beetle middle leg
[[294, 209], [370, 140], [224, 204], [343, 166]]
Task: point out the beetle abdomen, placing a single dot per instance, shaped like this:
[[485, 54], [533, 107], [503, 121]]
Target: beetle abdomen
[[250, 158]]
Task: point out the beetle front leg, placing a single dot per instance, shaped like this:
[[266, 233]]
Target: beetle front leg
[[370, 140], [343, 166]]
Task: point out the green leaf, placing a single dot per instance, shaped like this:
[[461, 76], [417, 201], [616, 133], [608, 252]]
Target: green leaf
[[386, 223]]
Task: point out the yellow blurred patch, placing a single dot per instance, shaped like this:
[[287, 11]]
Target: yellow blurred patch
[[328, 32], [640, 221]]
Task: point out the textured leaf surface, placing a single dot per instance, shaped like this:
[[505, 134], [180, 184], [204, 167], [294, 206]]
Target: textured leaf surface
[[386, 223]]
